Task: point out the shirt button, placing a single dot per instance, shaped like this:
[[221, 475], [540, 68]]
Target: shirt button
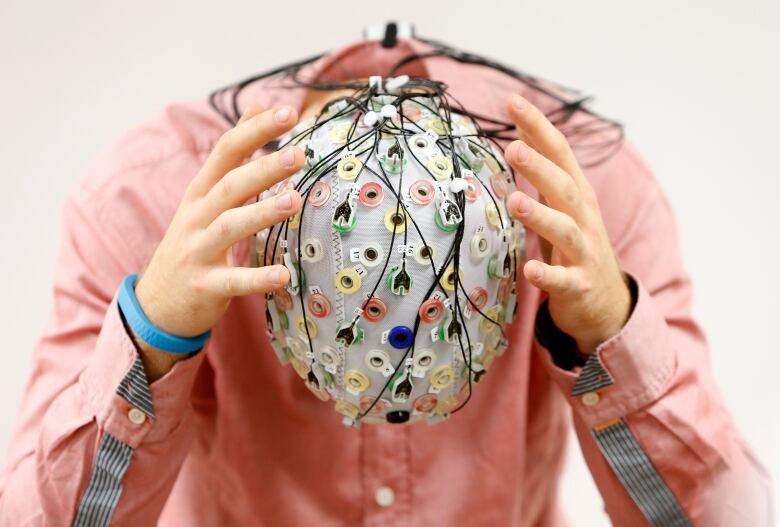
[[136, 416], [384, 496], [590, 399]]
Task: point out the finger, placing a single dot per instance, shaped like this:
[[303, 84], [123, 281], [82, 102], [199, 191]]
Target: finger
[[560, 190], [553, 225], [237, 223], [250, 111], [545, 137], [555, 279], [239, 143], [249, 180], [242, 281]]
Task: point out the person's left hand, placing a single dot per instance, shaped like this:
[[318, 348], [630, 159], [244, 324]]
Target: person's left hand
[[589, 297]]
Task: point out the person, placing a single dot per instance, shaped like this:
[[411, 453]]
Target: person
[[114, 431]]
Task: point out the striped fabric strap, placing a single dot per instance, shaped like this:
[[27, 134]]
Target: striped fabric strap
[[105, 485], [638, 475], [134, 388], [593, 376], [113, 456]]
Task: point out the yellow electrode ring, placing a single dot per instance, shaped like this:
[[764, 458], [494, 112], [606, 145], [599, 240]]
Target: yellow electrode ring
[[437, 126], [300, 367], [348, 281], [447, 280], [349, 168], [396, 220], [347, 409], [442, 377], [302, 325], [339, 133], [440, 166], [356, 381], [493, 217]]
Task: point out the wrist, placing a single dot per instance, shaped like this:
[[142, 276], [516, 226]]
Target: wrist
[[156, 362], [615, 317], [147, 331]]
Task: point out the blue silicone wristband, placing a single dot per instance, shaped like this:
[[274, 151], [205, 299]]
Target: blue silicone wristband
[[145, 330]]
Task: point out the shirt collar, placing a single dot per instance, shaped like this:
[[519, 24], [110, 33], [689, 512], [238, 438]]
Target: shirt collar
[[467, 84]]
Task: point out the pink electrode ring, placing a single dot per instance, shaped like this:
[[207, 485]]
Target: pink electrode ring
[[479, 297], [283, 300], [426, 403], [431, 310], [499, 186], [318, 305], [422, 192], [371, 194], [473, 190], [374, 310], [319, 194]]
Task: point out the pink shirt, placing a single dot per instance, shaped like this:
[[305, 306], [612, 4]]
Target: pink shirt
[[229, 437]]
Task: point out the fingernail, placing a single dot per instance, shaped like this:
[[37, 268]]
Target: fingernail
[[282, 114], [519, 103], [523, 153], [539, 274], [523, 204], [287, 158], [283, 202], [275, 277]]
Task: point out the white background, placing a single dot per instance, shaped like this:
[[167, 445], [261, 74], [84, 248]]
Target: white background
[[696, 83]]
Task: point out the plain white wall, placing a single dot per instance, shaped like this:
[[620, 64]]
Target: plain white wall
[[696, 83]]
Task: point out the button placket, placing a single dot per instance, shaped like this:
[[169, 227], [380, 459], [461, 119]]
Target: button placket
[[386, 474]]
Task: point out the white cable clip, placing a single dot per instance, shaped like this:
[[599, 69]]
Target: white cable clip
[[389, 111], [393, 84], [371, 118], [458, 185], [375, 81]]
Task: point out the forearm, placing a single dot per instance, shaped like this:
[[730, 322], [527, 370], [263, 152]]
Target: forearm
[[657, 438], [108, 435]]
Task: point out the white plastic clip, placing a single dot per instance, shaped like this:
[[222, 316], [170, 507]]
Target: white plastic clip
[[375, 81], [393, 84], [389, 111], [371, 118]]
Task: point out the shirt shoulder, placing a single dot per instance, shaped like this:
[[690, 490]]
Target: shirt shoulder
[[131, 190]]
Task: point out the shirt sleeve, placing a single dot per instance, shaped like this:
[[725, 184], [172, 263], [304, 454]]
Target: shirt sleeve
[[94, 441], [656, 435]]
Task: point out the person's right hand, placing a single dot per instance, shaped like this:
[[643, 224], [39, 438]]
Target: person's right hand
[[190, 279]]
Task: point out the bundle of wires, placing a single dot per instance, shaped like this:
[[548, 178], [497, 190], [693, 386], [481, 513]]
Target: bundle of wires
[[403, 259]]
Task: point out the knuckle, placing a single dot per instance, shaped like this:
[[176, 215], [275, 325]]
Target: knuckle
[[571, 234], [225, 144], [230, 285], [187, 220], [261, 170], [223, 227], [585, 286], [200, 283], [226, 186], [263, 217], [570, 192]]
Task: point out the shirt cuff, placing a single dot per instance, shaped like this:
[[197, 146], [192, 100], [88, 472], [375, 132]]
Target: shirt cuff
[[120, 397], [623, 374]]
